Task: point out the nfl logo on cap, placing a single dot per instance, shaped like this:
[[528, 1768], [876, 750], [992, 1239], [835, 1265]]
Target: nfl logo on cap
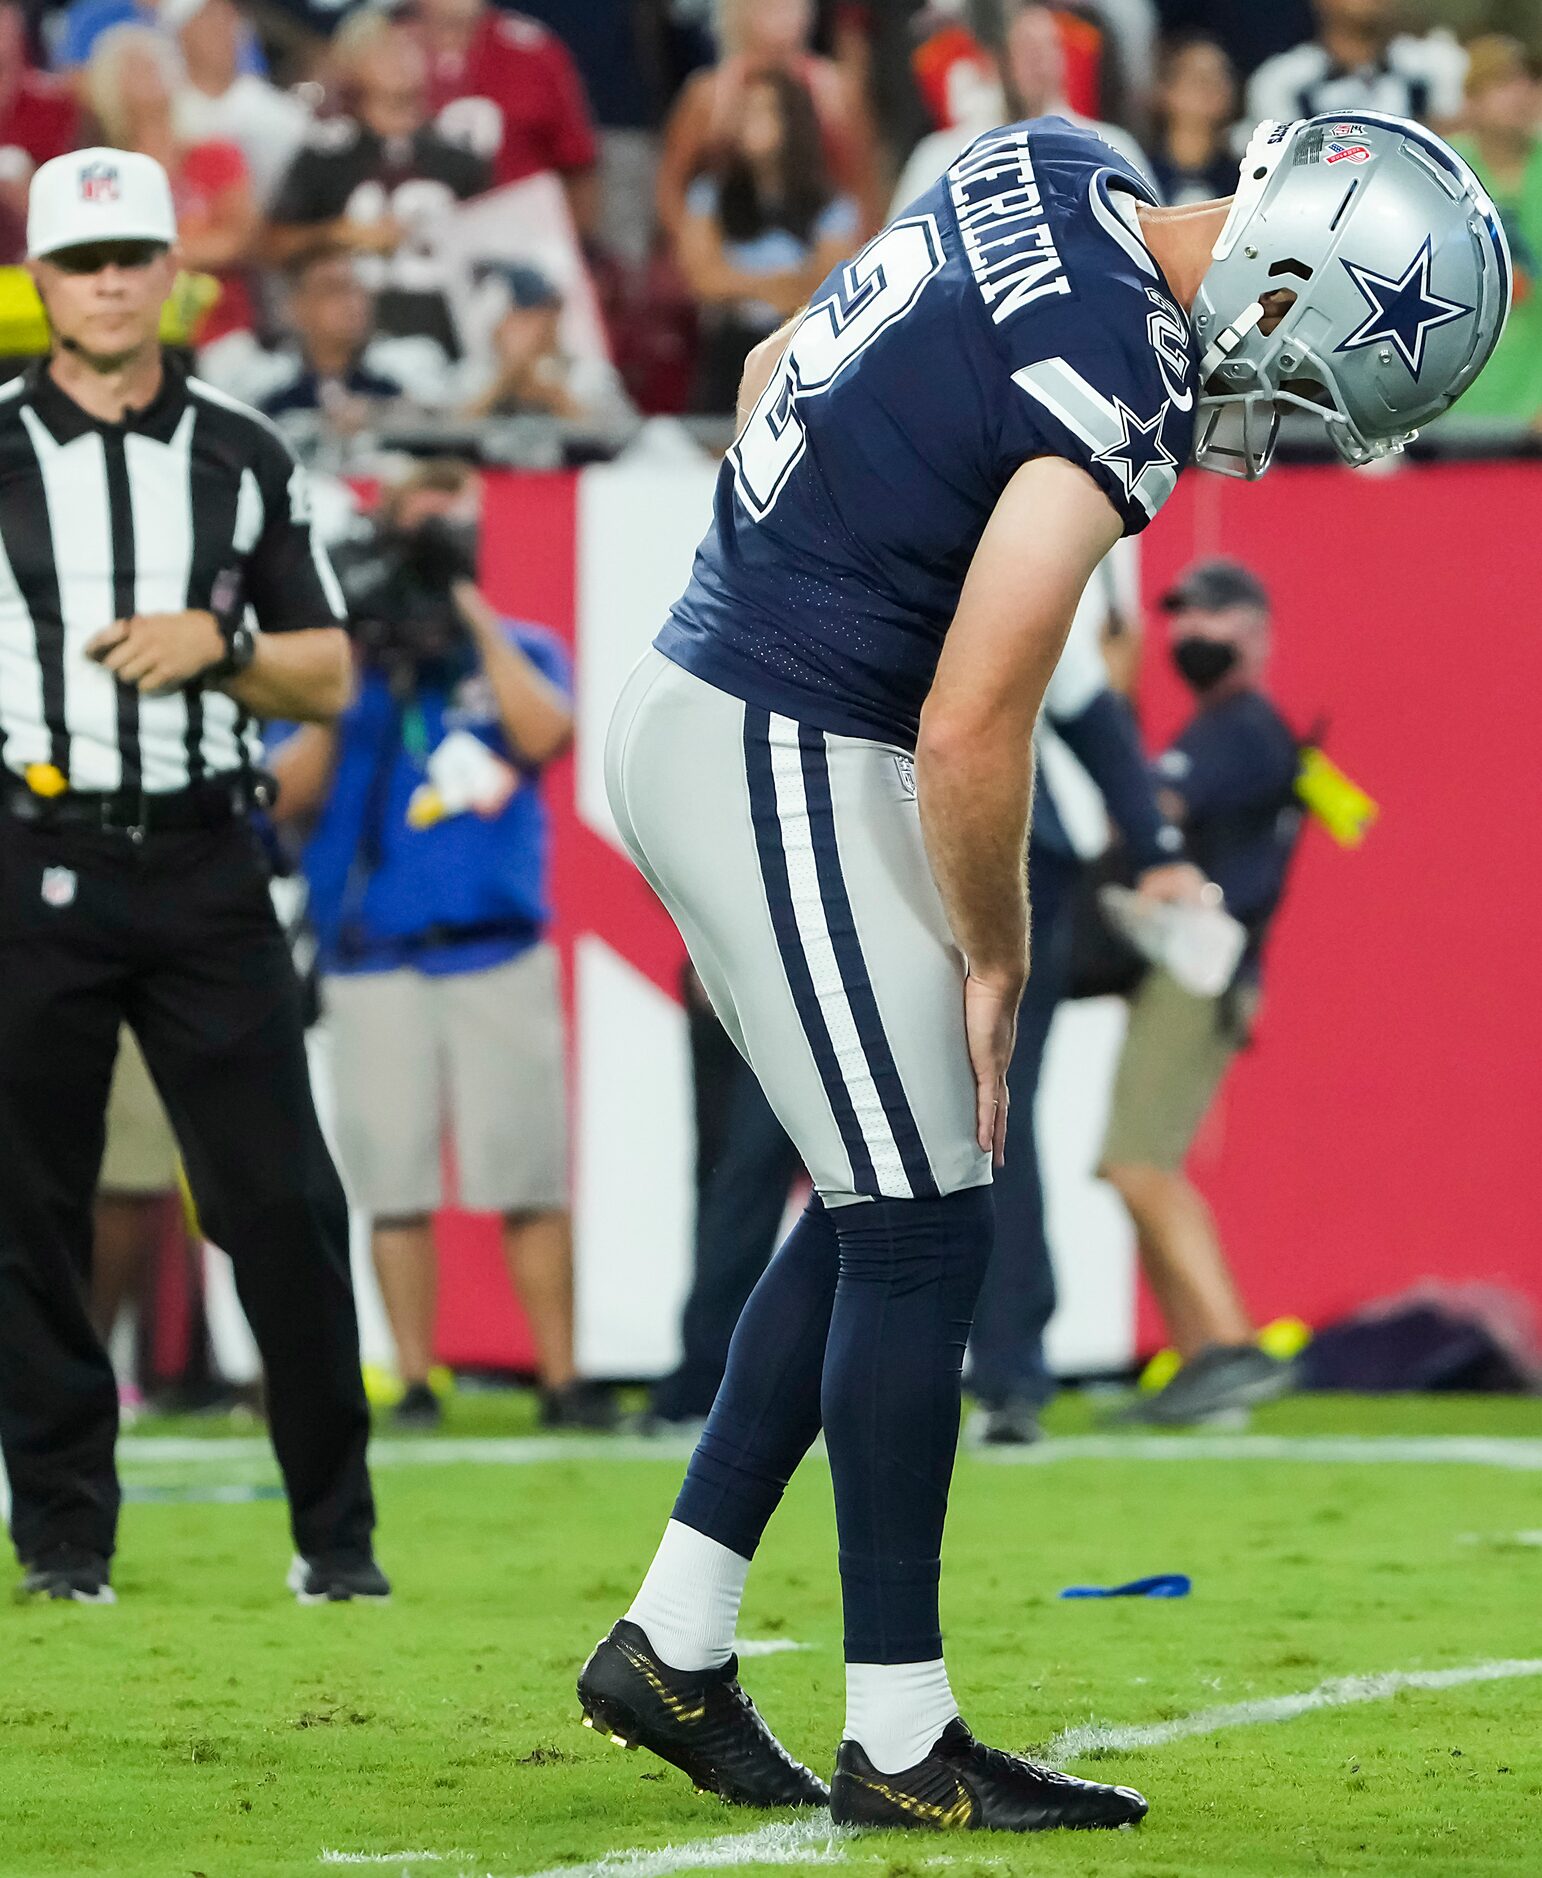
[[98, 195], [99, 182]]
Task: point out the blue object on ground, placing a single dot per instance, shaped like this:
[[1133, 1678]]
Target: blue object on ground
[[1163, 1585]]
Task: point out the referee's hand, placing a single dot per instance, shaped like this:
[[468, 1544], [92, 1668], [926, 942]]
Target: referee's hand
[[159, 651]]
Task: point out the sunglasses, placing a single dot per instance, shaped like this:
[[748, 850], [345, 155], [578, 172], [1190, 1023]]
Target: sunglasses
[[90, 257]]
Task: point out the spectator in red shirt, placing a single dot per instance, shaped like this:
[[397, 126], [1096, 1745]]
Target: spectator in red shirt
[[38, 119], [508, 89], [131, 83]]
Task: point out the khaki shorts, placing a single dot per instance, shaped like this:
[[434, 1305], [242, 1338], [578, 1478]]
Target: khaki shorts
[[141, 1154], [475, 1055], [1177, 1050]]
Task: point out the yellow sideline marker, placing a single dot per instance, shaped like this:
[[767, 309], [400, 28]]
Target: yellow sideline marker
[[24, 325], [1339, 804]]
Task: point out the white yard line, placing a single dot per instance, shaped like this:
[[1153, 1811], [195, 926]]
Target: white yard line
[[393, 1858], [1342, 1692], [1520, 1452], [800, 1842]]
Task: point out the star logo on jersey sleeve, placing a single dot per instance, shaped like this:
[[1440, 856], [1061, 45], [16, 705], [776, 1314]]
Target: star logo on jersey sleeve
[[1139, 447], [1405, 310]]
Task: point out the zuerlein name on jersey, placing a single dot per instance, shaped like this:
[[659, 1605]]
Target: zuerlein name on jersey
[[1005, 231]]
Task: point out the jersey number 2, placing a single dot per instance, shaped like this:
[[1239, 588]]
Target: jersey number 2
[[879, 287]]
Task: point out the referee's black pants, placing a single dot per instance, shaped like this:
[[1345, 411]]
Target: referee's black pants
[[175, 934]]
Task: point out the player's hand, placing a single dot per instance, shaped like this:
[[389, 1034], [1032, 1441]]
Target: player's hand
[[1178, 883], [159, 651], [990, 1024]]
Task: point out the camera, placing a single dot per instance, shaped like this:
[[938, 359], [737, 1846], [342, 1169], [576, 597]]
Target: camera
[[402, 612]]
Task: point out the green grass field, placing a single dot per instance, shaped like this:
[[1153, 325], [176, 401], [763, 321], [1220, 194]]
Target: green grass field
[[206, 1725]]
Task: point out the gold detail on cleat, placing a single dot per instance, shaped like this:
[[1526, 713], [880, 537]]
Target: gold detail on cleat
[[620, 1741], [948, 1818], [588, 1721], [673, 1702]]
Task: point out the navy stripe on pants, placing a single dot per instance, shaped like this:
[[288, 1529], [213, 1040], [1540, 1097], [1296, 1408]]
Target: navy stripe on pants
[[773, 871], [842, 926]]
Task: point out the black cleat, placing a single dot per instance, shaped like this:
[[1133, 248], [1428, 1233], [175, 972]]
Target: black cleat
[[68, 1572], [586, 1406], [1011, 1424], [700, 1721], [962, 1786], [1221, 1381], [338, 1580]]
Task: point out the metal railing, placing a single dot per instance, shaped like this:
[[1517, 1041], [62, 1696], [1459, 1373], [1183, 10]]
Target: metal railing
[[545, 443]]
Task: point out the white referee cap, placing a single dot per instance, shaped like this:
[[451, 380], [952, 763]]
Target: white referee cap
[[98, 195]]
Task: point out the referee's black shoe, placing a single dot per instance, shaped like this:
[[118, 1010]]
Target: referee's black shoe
[[965, 1786], [700, 1721], [69, 1572], [338, 1580]]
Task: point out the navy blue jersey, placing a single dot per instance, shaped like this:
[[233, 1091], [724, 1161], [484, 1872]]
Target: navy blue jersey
[[1235, 769], [1010, 312]]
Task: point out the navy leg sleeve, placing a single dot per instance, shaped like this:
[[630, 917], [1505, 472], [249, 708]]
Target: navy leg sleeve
[[766, 1414], [910, 1272]]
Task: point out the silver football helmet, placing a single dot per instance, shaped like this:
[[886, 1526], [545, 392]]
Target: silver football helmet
[[1401, 276]]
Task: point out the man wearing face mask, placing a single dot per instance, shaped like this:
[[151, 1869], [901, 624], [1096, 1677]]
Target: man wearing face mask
[[1229, 782]]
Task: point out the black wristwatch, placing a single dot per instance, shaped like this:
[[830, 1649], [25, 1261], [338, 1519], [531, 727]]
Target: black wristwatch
[[240, 650]]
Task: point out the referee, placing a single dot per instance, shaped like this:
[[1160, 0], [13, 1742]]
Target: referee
[[159, 590]]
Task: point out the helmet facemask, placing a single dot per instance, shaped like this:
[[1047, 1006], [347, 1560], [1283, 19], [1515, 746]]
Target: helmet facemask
[[1245, 392]]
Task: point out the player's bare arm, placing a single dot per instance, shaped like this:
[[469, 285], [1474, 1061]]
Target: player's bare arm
[[974, 757]]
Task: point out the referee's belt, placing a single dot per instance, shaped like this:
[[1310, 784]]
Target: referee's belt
[[135, 812]]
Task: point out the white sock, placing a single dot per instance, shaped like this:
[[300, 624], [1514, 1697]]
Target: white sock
[[895, 1711], [689, 1602]]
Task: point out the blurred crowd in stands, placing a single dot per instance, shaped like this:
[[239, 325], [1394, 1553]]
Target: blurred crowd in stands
[[589, 210]]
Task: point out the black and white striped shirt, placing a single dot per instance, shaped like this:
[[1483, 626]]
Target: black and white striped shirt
[[194, 501], [1418, 78]]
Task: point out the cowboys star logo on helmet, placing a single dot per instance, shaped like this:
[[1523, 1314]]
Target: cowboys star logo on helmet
[[1402, 310]]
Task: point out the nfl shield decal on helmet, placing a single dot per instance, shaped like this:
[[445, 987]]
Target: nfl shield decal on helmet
[[58, 886]]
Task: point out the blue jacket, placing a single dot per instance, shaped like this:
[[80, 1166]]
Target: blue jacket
[[465, 894]]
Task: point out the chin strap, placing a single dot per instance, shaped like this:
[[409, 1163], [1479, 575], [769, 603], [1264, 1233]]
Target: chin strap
[[1226, 343]]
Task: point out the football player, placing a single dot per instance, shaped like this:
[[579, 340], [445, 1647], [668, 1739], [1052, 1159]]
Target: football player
[[824, 769]]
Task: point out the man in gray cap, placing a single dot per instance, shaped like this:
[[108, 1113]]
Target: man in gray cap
[[1229, 783]]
